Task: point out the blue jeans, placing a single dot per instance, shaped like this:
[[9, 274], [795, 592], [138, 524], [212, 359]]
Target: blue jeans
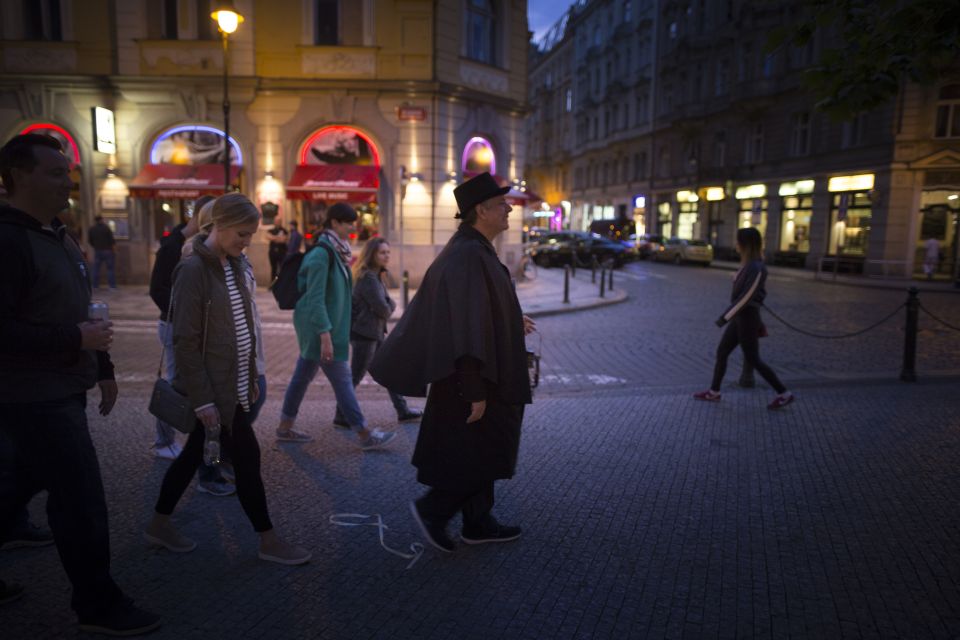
[[165, 433], [363, 352], [107, 258], [340, 378]]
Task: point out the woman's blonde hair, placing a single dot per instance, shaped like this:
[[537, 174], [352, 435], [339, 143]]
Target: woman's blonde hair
[[367, 257], [232, 210], [205, 217]]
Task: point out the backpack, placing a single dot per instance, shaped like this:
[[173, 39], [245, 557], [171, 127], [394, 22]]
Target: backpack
[[284, 288]]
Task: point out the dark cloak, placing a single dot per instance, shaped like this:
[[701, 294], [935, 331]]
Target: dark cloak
[[465, 310]]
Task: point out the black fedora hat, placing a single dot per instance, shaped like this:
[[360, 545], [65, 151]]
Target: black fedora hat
[[476, 190]]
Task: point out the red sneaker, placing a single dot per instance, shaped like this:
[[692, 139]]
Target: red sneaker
[[781, 401], [709, 395]]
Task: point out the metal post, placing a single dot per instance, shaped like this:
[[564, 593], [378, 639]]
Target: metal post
[[610, 284], [406, 289], [909, 371], [226, 115], [566, 284], [603, 282]]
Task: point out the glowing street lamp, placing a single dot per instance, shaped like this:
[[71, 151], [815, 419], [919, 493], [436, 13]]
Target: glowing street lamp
[[228, 19]]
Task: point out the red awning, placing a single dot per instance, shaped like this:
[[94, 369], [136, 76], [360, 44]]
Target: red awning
[[515, 197], [181, 181], [334, 183]]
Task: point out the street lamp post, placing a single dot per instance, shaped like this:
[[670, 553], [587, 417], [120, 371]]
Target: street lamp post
[[405, 179], [227, 20]]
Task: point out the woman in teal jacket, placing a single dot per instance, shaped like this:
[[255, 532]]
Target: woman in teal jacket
[[322, 321]]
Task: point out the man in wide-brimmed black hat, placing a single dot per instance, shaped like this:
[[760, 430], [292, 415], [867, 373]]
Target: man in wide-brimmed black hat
[[463, 334]]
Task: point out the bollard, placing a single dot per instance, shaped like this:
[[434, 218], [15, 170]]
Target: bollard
[[406, 289], [909, 372], [593, 269], [603, 282], [566, 284], [610, 284]]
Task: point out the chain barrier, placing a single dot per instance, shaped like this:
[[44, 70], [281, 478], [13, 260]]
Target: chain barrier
[[838, 336], [938, 319]]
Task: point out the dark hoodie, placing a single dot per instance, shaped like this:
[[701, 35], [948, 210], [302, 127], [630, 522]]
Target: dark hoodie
[[44, 295]]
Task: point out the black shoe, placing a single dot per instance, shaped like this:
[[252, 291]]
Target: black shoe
[[410, 415], [491, 531], [434, 533], [10, 591], [29, 536], [124, 619], [341, 423]]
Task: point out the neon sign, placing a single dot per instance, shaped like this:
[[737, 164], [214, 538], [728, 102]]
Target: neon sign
[[339, 144], [478, 156], [193, 144], [60, 134]]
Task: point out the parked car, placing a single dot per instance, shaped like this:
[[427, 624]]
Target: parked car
[[647, 244], [677, 251], [563, 247]]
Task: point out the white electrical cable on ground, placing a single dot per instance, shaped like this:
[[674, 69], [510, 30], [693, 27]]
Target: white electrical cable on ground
[[356, 520]]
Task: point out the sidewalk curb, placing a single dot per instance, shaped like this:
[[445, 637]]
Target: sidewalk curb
[[621, 296], [846, 281]]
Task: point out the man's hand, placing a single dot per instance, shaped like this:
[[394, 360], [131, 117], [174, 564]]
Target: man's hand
[[529, 326], [326, 347], [108, 396], [477, 410], [254, 393], [96, 335], [209, 416]]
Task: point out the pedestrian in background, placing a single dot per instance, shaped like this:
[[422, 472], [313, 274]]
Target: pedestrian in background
[[322, 321], [463, 334], [50, 355], [161, 283], [104, 245], [295, 241], [277, 249], [372, 307], [931, 257], [213, 329], [743, 322]]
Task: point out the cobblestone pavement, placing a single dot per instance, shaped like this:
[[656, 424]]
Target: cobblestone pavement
[[646, 514]]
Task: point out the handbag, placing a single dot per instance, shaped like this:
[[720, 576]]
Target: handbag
[[168, 404]]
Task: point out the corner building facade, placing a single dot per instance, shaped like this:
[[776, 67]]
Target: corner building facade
[[672, 116], [385, 104]]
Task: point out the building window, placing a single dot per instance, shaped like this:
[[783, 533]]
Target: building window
[[800, 134], [327, 23], [769, 65], [206, 27], [720, 149], [42, 20], [627, 11], [753, 150], [481, 31], [851, 133], [673, 30], [168, 20], [722, 79], [745, 63], [568, 100], [948, 112]]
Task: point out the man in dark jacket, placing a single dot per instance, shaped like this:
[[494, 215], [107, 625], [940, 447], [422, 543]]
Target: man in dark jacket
[[103, 243], [463, 334], [50, 355]]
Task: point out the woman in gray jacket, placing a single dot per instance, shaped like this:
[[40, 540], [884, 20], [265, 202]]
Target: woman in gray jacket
[[214, 341], [372, 307]]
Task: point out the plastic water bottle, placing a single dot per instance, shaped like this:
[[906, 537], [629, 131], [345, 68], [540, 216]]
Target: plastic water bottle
[[211, 445]]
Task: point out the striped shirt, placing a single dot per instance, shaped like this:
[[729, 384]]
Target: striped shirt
[[244, 339]]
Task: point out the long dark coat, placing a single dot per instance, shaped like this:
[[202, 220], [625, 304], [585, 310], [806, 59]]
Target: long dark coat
[[465, 308]]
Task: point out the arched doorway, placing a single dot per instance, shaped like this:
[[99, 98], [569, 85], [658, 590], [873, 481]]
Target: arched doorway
[[185, 162], [337, 163]]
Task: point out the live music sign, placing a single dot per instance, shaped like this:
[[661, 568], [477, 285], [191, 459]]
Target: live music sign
[[406, 113]]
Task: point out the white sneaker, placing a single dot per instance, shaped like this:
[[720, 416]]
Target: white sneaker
[[168, 452], [377, 440]]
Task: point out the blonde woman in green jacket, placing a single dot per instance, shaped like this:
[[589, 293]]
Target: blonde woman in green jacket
[[322, 321]]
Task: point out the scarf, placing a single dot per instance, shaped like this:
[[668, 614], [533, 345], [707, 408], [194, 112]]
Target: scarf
[[342, 247]]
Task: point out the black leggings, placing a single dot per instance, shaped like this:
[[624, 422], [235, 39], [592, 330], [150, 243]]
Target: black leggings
[[744, 330], [241, 443]]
